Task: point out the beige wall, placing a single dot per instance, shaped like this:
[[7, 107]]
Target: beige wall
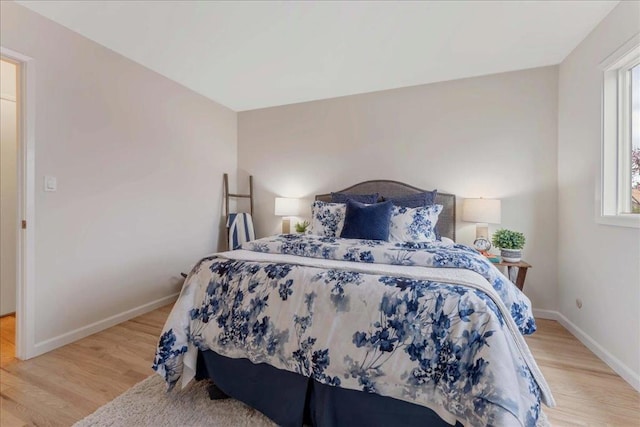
[[8, 187], [139, 161], [493, 136], [598, 263]]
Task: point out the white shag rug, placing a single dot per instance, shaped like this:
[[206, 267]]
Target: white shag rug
[[148, 404]]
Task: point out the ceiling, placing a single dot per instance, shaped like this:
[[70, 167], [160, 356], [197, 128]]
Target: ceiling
[[256, 54]]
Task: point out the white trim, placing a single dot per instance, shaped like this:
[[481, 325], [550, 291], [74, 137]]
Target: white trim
[[624, 133], [620, 54], [620, 220], [613, 362], [545, 314], [100, 325], [25, 272], [613, 186], [8, 97]]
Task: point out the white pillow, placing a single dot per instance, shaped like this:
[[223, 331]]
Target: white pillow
[[447, 241], [327, 219], [414, 224]]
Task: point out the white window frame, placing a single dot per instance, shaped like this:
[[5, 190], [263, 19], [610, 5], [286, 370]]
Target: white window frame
[[613, 201]]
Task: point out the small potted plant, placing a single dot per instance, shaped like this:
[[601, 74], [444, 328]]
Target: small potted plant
[[301, 227], [510, 244]]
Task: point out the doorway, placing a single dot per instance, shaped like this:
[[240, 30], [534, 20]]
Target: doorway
[[9, 110]]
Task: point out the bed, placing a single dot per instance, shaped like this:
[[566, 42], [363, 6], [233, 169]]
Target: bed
[[321, 330]]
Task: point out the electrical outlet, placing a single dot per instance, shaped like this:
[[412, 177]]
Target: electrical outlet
[[50, 183]]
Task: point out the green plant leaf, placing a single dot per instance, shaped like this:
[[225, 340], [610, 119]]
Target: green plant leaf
[[301, 227], [508, 239]]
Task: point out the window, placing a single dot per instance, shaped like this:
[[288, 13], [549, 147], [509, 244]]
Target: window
[[619, 193]]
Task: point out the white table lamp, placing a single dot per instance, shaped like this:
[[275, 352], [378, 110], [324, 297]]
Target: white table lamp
[[483, 212], [286, 208]]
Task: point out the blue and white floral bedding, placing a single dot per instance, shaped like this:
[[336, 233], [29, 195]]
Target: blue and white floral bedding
[[429, 323]]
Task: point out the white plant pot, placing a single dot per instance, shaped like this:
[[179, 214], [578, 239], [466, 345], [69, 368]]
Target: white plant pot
[[511, 255]]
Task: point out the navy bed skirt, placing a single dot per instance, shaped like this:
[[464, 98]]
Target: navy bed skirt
[[292, 400]]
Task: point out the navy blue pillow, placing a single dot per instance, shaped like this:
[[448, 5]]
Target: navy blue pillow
[[362, 198], [414, 200], [367, 222]]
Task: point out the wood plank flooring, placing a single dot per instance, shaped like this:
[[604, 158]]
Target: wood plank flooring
[[587, 391], [7, 339], [67, 384]]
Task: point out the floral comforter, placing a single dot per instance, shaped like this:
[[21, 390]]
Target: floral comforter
[[432, 324]]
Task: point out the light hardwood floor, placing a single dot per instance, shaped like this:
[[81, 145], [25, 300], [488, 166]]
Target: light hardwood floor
[[69, 383], [7, 339]]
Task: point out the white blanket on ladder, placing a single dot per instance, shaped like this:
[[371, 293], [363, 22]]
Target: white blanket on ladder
[[240, 227]]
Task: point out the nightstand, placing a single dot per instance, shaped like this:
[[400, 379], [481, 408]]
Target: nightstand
[[522, 271]]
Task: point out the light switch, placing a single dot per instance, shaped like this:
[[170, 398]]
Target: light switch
[[50, 183]]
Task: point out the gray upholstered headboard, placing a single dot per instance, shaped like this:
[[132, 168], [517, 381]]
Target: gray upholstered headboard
[[387, 188]]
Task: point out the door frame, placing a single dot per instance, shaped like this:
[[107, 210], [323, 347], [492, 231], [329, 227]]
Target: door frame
[[25, 271]]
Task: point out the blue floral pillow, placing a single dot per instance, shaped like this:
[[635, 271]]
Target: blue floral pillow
[[327, 219], [414, 224], [362, 198]]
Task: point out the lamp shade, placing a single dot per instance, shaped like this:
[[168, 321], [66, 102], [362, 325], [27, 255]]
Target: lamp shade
[[287, 207], [482, 211]]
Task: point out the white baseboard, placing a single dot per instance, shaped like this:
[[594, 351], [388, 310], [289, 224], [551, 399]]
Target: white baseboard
[[545, 314], [613, 362], [69, 337]]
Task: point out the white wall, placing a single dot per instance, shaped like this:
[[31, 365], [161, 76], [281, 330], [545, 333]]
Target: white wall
[[8, 187], [492, 136], [139, 161], [598, 263]]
